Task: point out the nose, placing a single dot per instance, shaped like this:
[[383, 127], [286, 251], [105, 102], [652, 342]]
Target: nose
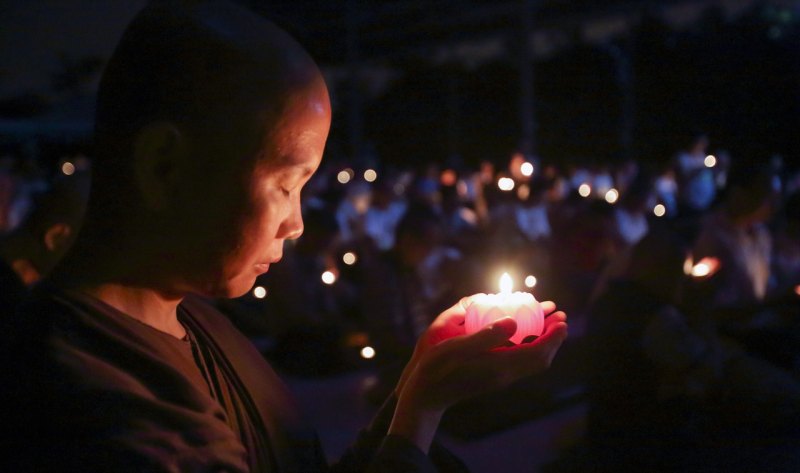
[[292, 227]]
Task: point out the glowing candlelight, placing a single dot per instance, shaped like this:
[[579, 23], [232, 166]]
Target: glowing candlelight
[[702, 269], [505, 184], [367, 353], [343, 177], [68, 168], [349, 258], [329, 277], [612, 195], [530, 280], [526, 169], [521, 306]]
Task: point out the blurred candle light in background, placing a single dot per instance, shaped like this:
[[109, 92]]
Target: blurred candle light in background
[[526, 169], [370, 175], [703, 269], [448, 177], [68, 168], [797, 289], [368, 353], [329, 277], [349, 258], [584, 190], [530, 280], [659, 210], [710, 161], [343, 177], [612, 195], [259, 292], [505, 184]]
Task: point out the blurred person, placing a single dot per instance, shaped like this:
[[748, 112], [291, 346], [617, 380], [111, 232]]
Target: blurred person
[[405, 286], [383, 215], [586, 243], [785, 264], [209, 122], [531, 214], [7, 188], [669, 391], [352, 208], [30, 251], [696, 183], [666, 188], [602, 181], [634, 209], [736, 233]]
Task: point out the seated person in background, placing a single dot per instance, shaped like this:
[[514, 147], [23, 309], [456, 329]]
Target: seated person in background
[[402, 288], [31, 250], [736, 234], [209, 122], [786, 249], [668, 391]]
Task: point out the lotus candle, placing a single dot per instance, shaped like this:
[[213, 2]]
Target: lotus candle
[[521, 306]]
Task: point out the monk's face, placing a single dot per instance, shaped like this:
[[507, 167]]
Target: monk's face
[[252, 205]]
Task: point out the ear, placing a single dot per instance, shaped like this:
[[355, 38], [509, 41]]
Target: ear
[[159, 154], [57, 236]]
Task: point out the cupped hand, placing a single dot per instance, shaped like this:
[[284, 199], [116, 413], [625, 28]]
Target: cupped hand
[[450, 324], [448, 366]]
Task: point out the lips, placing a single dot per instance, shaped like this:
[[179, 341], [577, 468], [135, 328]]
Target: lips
[[264, 267]]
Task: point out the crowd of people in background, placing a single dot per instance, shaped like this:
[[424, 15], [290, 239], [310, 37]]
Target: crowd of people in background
[[684, 280]]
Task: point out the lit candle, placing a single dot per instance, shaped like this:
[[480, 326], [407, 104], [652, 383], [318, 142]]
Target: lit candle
[[521, 306]]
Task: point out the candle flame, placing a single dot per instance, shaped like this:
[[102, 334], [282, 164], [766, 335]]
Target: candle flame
[[506, 283]]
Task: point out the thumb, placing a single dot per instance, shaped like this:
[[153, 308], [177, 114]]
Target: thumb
[[491, 336]]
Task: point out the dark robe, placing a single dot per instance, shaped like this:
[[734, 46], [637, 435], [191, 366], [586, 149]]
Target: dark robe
[[92, 389]]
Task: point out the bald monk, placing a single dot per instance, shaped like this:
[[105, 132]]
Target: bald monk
[[209, 122]]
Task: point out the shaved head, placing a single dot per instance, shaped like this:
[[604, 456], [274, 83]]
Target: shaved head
[[198, 65], [210, 119]]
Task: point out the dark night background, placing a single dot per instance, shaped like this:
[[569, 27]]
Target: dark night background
[[438, 80]]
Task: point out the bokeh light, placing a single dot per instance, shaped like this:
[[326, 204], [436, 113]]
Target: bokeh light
[[526, 169], [343, 177], [710, 161], [612, 195], [367, 353], [530, 280], [584, 190], [349, 258], [370, 175], [68, 168], [329, 277], [505, 184], [259, 292], [659, 210]]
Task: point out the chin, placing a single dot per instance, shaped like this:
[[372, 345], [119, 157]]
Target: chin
[[228, 288]]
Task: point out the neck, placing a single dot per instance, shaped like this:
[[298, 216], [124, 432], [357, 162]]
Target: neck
[[120, 282], [149, 306]]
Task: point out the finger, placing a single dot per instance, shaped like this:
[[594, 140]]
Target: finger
[[548, 307], [455, 314], [487, 338], [542, 349], [559, 316]]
